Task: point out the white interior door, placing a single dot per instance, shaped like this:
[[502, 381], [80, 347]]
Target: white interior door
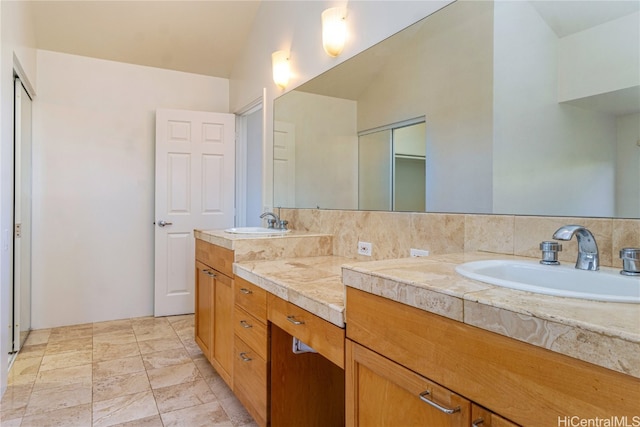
[[284, 164], [22, 217], [195, 172]]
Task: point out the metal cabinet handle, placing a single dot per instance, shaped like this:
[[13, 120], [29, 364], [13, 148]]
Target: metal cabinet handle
[[246, 324], [163, 223], [244, 357], [246, 291], [478, 422], [435, 405], [293, 320], [210, 273]]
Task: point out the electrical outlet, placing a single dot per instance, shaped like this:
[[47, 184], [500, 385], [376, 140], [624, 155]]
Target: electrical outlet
[[364, 248], [418, 252]]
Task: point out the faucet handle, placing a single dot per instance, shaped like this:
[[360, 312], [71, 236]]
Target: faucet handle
[[550, 251], [630, 261]]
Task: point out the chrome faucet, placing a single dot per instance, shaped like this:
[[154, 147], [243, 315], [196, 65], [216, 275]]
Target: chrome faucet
[[275, 221], [588, 258]]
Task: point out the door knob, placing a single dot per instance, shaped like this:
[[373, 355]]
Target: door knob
[[163, 223]]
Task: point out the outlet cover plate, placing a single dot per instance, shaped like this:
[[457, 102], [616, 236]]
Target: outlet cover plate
[[418, 252], [364, 248]]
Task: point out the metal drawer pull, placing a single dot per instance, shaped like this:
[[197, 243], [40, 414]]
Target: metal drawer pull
[[478, 422], [435, 405], [244, 357], [245, 324], [210, 273], [246, 291], [293, 320]]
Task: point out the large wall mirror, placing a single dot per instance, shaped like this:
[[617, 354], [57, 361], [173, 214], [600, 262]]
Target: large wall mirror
[[528, 107]]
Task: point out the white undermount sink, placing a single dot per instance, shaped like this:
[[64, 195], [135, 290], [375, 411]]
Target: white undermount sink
[[255, 230], [606, 284]]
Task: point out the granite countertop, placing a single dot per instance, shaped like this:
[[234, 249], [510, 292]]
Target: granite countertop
[[312, 283], [255, 247], [603, 333], [306, 274], [234, 240]]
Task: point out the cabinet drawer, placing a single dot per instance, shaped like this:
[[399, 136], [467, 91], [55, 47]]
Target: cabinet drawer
[[251, 373], [214, 256], [381, 392], [324, 337], [251, 298], [524, 383], [252, 331]]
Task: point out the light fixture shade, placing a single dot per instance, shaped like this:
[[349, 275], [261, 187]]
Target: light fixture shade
[[334, 30], [281, 68]]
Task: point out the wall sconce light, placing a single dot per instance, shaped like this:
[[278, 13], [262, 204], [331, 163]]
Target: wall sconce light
[[281, 68], [334, 30]]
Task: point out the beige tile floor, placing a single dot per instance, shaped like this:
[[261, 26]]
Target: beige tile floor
[[143, 372]]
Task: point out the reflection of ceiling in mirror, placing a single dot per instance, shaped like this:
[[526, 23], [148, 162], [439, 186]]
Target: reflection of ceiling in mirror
[[356, 74], [563, 17], [569, 17]]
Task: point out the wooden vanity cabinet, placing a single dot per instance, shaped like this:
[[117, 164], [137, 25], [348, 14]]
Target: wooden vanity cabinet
[[482, 417], [214, 307], [383, 393], [251, 350], [520, 382], [204, 309], [307, 389]]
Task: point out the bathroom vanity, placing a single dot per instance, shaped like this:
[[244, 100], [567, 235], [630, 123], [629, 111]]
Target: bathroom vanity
[[246, 330], [417, 344]]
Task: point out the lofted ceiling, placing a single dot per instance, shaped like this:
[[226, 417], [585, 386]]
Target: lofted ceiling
[[201, 37], [206, 36]]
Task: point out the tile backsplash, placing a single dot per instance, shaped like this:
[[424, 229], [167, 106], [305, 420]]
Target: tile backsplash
[[393, 234]]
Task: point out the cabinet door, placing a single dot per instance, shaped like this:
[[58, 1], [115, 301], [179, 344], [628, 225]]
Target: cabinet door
[[482, 417], [382, 393], [204, 308], [222, 357], [251, 381]]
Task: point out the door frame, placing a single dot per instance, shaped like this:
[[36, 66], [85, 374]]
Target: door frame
[[241, 156], [10, 350]]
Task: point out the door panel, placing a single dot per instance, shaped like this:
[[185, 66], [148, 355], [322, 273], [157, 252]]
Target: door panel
[[179, 182], [284, 164], [212, 184], [195, 182], [178, 245], [21, 320]]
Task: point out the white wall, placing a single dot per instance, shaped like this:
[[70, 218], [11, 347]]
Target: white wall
[[628, 166], [601, 59], [446, 76], [17, 37], [326, 141], [94, 125], [296, 26], [532, 131]]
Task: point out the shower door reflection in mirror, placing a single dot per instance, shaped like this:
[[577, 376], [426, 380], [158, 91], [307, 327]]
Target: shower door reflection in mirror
[[392, 167]]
